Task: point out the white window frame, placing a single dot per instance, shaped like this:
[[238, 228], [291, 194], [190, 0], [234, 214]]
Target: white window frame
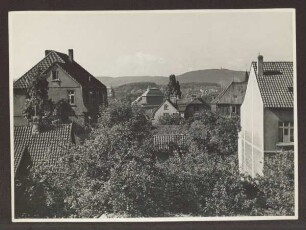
[[166, 107], [71, 97], [283, 127]]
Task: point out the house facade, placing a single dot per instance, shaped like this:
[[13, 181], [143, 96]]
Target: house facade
[[185, 108], [229, 101], [267, 120], [66, 80]]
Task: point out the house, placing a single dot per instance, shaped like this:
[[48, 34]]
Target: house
[[186, 107], [267, 123], [34, 144], [66, 80], [228, 102], [150, 99]]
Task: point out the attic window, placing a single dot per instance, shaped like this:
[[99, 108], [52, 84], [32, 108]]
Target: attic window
[[272, 72], [55, 75], [290, 89], [165, 107]]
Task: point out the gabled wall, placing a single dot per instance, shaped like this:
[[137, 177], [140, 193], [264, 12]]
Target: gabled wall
[[251, 136], [161, 111], [59, 89]]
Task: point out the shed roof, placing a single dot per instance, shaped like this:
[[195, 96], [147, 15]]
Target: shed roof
[[275, 83], [76, 71]]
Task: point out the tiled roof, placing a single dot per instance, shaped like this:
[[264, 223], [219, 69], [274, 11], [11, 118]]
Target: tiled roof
[[154, 92], [42, 145], [274, 84], [233, 94], [181, 104], [72, 68]]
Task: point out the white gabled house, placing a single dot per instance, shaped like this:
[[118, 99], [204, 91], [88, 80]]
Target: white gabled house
[[266, 115]]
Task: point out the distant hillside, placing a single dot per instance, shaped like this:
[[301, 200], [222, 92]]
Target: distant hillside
[[219, 76], [117, 81]]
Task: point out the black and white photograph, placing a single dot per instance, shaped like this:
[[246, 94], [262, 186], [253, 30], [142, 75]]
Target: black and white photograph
[[153, 115]]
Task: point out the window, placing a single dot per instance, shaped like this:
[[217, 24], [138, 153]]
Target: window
[[234, 110], [166, 114], [55, 75], [196, 108], [71, 97], [286, 132], [166, 107]]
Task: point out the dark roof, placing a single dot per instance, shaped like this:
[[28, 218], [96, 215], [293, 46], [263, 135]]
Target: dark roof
[[70, 67], [153, 92], [181, 104], [275, 83], [42, 145], [233, 94]]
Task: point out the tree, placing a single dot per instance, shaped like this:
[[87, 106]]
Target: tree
[[173, 88], [37, 102]]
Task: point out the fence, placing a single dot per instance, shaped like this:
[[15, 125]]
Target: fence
[[164, 141]]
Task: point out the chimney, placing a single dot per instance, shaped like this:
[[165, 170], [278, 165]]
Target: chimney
[[35, 125], [47, 52], [260, 66], [70, 53]]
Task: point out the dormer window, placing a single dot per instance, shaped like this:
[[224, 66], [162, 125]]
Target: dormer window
[[55, 75]]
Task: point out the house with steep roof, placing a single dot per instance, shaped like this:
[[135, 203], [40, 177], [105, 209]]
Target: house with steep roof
[[34, 144], [228, 102], [267, 120], [185, 108], [66, 80], [150, 99]]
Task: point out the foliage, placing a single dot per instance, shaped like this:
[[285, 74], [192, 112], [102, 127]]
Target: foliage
[[173, 88], [214, 134], [62, 111], [173, 119], [117, 173], [37, 102]]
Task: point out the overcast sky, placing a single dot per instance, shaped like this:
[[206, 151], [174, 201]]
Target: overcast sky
[[151, 43]]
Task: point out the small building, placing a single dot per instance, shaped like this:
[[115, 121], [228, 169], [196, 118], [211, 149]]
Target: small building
[[267, 123], [33, 144], [228, 102], [151, 98], [66, 80], [185, 108]]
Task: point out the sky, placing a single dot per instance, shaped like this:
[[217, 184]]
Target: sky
[[151, 43]]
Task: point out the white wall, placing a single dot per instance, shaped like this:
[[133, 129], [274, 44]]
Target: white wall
[[161, 111], [251, 137]]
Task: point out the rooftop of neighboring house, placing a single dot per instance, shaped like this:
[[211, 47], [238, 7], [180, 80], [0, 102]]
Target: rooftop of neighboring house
[[64, 61], [153, 92], [150, 92], [275, 83], [181, 104], [233, 94], [40, 146]]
